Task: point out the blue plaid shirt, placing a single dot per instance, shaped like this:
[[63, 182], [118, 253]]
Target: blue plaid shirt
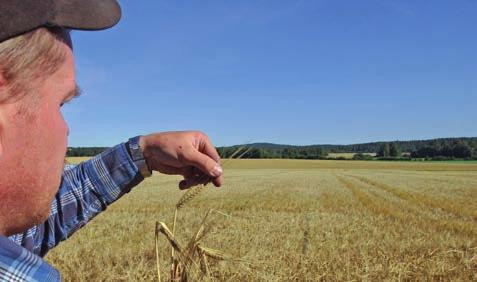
[[86, 190]]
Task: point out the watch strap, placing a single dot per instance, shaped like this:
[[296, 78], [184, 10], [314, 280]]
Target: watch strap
[[138, 157]]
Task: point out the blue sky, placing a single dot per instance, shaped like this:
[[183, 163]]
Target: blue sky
[[289, 72]]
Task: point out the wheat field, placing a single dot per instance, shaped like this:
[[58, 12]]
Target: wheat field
[[295, 221]]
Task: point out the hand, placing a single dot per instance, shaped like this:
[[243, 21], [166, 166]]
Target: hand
[[186, 153]]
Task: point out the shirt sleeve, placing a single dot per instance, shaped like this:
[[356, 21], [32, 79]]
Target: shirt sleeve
[[86, 190]]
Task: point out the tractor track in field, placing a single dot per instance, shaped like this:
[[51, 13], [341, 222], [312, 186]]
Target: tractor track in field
[[371, 201], [421, 199], [383, 207], [441, 174]]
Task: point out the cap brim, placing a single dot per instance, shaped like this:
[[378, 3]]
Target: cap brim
[[86, 14]]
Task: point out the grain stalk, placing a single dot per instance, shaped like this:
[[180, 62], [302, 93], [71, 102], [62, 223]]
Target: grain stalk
[[187, 197], [156, 244], [191, 262]]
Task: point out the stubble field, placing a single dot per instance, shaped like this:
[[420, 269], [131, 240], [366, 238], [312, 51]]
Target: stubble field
[[296, 221]]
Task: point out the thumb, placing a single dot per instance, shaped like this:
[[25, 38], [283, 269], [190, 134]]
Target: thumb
[[201, 161]]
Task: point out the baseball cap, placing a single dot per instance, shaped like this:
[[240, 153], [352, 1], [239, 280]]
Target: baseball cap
[[20, 16]]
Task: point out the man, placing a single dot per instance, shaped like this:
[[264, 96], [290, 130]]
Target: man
[[36, 78]]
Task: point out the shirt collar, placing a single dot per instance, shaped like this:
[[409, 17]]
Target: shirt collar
[[19, 264]]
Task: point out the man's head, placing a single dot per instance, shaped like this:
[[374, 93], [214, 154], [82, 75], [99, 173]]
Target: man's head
[[36, 77]]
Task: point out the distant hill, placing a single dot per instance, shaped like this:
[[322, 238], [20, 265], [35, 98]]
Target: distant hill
[[371, 147]]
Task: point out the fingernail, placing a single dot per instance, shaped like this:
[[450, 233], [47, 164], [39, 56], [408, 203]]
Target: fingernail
[[217, 171]]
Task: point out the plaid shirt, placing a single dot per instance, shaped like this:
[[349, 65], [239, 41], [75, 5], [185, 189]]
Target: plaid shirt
[[86, 190]]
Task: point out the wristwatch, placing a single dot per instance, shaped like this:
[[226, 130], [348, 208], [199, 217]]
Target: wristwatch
[[138, 157]]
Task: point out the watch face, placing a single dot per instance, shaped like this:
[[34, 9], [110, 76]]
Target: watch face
[[135, 150]]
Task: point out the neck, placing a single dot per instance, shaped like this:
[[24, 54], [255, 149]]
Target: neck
[[2, 217]]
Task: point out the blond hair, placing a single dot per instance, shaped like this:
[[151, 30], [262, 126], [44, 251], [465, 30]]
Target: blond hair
[[29, 58]]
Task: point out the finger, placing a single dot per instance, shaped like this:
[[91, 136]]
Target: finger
[[190, 172], [201, 161], [207, 148], [191, 182], [170, 170], [183, 185], [218, 182], [186, 183]]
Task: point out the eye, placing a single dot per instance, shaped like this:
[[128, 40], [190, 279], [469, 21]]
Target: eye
[[65, 102]]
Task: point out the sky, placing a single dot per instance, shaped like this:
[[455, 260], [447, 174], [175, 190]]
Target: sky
[[289, 72]]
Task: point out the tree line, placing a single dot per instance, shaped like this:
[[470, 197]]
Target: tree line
[[84, 151], [434, 149], [289, 152], [447, 150], [437, 149]]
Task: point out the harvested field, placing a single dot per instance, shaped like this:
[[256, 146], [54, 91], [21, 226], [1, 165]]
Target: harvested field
[[296, 220]]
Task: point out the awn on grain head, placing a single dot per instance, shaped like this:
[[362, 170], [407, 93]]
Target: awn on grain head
[[192, 262]]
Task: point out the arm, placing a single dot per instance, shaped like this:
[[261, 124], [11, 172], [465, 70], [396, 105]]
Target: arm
[[86, 190]]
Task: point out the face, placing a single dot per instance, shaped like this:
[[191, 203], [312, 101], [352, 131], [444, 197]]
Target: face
[[33, 147]]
